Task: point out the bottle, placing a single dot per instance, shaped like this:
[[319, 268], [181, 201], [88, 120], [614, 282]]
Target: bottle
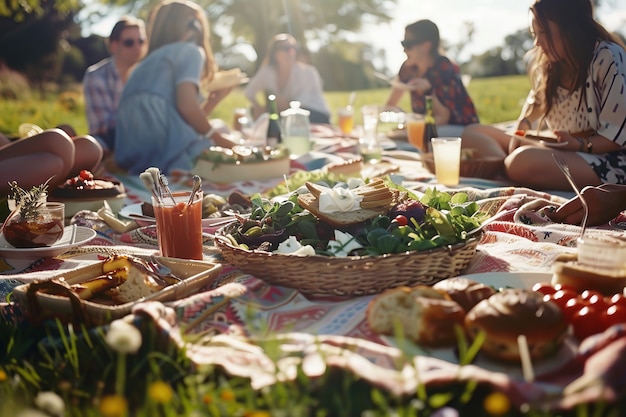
[[369, 147], [430, 127], [274, 134], [296, 128]]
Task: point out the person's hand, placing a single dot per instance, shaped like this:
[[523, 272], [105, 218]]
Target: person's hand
[[421, 85], [214, 98], [604, 202]]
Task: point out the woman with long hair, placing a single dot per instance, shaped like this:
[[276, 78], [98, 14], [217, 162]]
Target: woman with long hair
[[578, 73], [162, 121], [283, 74]]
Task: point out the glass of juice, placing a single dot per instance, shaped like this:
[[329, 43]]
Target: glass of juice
[[415, 126], [447, 156], [346, 119], [179, 225]]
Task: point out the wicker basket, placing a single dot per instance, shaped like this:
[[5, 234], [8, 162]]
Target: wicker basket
[[350, 276], [480, 167]]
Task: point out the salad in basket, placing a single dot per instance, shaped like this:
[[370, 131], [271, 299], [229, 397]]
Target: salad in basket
[[355, 218]]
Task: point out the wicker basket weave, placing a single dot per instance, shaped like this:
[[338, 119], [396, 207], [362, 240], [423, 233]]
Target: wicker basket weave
[[483, 167], [350, 276]]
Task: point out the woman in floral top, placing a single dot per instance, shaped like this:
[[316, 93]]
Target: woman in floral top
[[578, 75], [427, 72]]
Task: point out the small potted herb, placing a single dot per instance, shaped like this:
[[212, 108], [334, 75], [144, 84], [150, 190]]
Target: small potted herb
[[34, 222]]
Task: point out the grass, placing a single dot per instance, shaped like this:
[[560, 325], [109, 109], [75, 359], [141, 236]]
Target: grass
[[497, 99]]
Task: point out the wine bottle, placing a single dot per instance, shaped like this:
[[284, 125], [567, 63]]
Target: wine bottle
[[430, 127], [274, 134]]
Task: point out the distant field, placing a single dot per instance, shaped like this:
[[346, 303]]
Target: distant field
[[497, 99]]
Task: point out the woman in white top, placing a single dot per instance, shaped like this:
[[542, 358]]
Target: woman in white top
[[578, 74], [289, 79]]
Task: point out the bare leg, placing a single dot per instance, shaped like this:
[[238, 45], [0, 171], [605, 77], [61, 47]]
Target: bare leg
[[32, 161], [488, 140], [88, 154], [535, 167]]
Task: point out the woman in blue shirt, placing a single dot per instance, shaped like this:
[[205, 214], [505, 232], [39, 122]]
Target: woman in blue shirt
[[161, 119]]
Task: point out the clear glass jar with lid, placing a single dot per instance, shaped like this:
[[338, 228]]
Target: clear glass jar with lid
[[296, 128]]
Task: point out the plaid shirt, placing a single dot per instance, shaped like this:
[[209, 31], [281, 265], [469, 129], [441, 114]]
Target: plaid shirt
[[445, 79], [102, 87]]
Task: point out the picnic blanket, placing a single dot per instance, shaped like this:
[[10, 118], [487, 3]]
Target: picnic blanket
[[223, 323]]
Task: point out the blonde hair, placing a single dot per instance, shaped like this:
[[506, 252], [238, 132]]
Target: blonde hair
[[171, 21]]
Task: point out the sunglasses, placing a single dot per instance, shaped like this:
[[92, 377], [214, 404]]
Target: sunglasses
[[129, 43], [408, 43]]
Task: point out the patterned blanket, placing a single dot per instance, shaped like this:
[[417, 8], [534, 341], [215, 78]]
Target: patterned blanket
[[222, 323]]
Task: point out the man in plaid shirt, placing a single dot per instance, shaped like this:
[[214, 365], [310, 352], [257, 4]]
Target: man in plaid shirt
[[104, 81]]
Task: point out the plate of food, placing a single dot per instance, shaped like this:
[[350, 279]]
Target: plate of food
[[85, 192], [72, 236], [106, 290], [543, 137], [500, 304], [227, 79], [138, 213]]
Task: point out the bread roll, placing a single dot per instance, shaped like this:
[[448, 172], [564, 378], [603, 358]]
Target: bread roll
[[466, 292], [512, 312], [425, 315], [582, 278]]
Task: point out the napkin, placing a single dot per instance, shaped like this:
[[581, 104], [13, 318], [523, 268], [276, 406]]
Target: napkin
[[120, 226]]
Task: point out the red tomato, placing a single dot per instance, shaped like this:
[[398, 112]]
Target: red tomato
[[571, 307], [597, 301], [614, 314], [401, 220], [587, 321], [616, 299], [86, 175], [558, 287], [560, 297], [544, 288]]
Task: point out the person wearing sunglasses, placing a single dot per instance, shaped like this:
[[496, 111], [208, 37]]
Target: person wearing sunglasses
[[289, 79], [104, 81], [426, 71], [162, 119]]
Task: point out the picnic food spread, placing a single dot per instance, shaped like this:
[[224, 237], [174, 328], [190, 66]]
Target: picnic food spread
[[85, 186]]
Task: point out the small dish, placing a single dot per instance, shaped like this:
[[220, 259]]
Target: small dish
[[133, 212], [194, 275], [82, 236]]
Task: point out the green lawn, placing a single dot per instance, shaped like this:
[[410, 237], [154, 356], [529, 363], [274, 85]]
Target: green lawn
[[497, 99]]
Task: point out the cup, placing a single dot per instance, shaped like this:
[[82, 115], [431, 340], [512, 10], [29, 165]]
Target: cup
[[447, 156], [179, 226], [415, 126], [369, 147], [346, 119], [37, 228]]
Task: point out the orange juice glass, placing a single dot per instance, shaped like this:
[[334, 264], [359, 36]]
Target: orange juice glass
[[179, 226], [346, 119], [415, 126]]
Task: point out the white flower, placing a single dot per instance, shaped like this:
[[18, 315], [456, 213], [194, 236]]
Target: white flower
[[123, 337], [343, 244], [51, 403], [291, 246]]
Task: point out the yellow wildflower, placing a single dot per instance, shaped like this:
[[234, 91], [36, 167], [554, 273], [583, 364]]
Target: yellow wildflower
[[160, 392], [257, 413], [113, 406], [3, 376], [497, 403], [227, 395]]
